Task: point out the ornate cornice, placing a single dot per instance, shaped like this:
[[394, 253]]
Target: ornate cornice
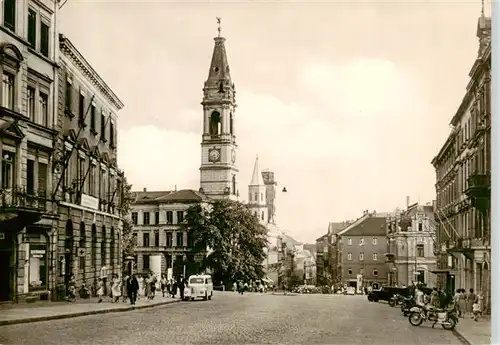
[[69, 50]]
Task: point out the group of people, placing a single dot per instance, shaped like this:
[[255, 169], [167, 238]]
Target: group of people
[[468, 303], [131, 287]]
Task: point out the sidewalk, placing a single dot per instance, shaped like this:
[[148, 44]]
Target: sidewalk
[[43, 311], [475, 332]]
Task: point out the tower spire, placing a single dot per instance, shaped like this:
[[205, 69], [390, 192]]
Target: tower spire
[[482, 12], [257, 175]]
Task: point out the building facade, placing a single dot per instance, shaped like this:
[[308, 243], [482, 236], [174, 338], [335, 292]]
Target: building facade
[[87, 181], [463, 183], [162, 246], [218, 171], [323, 274], [28, 64], [361, 249], [411, 246]]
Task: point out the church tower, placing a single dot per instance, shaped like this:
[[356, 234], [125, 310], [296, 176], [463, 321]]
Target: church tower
[[257, 194], [218, 171]]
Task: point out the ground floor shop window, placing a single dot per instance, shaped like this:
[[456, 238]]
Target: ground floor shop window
[[37, 266]]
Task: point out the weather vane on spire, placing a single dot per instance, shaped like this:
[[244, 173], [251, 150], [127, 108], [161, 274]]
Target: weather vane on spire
[[482, 8], [218, 23]]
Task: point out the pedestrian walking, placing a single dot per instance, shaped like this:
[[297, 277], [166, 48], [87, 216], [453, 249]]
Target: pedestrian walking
[[125, 288], [152, 288], [462, 303], [132, 288], [141, 290], [173, 290], [181, 285], [71, 288], [116, 288], [163, 285], [100, 290], [471, 299]]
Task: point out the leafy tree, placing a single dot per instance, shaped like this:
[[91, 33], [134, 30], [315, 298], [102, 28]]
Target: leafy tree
[[128, 241], [233, 236]]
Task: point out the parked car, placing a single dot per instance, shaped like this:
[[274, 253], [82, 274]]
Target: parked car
[[386, 292]]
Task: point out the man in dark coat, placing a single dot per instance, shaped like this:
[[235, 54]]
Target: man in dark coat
[[181, 284], [132, 288]]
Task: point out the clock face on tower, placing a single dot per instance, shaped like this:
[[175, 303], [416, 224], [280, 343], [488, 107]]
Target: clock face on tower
[[214, 155], [233, 155]]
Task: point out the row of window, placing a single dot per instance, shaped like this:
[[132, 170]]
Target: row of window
[[374, 272], [146, 264], [91, 180], [146, 239], [82, 116], [392, 227], [113, 244], [38, 102], [362, 241], [35, 25], [362, 256], [146, 218]]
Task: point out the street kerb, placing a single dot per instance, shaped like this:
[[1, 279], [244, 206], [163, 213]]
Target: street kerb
[[460, 337], [83, 313]]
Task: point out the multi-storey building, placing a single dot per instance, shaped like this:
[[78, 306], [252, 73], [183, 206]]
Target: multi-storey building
[[28, 65], [87, 181], [463, 186], [322, 261], [411, 245], [360, 250], [162, 246]]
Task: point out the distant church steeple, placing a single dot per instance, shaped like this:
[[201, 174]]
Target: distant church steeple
[[218, 170], [257, 194]]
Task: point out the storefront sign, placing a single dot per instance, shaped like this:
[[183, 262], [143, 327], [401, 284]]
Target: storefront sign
[[89, 201], [37, 253]]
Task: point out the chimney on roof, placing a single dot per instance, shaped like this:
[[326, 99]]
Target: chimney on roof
[[144, 189], [407, 201]]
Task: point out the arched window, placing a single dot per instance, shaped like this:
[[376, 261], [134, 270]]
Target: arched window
[[112, 246], [261, 196], [81, 245], [234, 184], [94, 246], [103, 246], [215, 123], [262, 215], [231, 123], [256, 195]]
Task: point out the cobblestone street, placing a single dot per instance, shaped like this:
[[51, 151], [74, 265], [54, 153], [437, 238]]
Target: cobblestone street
[[235, 319]]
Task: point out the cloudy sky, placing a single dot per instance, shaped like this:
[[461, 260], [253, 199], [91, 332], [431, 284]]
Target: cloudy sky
[[347, 102]]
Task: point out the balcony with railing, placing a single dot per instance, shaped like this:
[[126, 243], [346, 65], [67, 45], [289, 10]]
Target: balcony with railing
[[479, 190], [461, 245], [18, 202]]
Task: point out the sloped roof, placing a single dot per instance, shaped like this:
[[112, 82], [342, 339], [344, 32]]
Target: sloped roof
[[169, 197], [310, 247], [257, 175], [335, 227], [368, 226]]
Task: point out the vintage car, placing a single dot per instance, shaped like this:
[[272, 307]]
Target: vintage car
[[386, 292], [199, 286]]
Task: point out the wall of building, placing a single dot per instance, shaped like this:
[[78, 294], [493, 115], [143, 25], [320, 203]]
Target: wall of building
[[371, 264]]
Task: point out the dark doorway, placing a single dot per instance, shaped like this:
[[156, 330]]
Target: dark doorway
[[5, 274], [68, 251]]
